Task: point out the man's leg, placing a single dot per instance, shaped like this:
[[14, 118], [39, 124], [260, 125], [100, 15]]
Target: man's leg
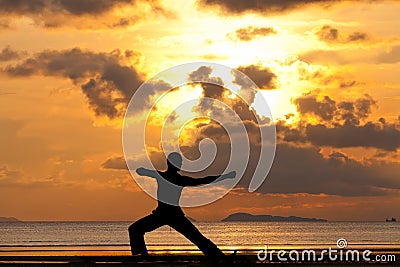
[[186, 228], [137, 231]]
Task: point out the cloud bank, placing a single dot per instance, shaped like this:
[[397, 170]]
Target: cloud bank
[[105, 78], [82, 13]]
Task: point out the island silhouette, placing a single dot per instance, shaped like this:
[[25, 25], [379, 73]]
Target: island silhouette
[[246, 217], [9, 219]]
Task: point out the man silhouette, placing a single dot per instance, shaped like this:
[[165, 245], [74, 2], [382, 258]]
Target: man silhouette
[[168, 212]]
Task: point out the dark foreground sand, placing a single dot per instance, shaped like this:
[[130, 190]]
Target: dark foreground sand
[[173, 260]]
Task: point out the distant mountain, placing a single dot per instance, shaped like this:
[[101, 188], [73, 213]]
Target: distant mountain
[[246, 217], [9, 219]]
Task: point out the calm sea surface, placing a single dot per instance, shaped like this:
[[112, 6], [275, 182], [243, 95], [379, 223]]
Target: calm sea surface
[[56, 237]]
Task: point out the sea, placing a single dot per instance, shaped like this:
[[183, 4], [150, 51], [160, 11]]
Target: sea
[[111, 238]]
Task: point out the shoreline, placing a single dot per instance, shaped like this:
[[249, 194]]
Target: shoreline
[[244, 257]]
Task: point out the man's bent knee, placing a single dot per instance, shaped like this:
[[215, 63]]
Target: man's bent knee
[[135, 229]]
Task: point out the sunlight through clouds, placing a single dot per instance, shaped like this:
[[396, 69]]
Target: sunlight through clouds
[[328, 70]]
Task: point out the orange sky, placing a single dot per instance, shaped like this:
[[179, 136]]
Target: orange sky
[[329, 72]]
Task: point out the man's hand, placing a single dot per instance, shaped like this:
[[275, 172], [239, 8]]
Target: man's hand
[[147, 172], [141, 171]]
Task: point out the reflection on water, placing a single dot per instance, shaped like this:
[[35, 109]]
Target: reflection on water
[[112, 237]]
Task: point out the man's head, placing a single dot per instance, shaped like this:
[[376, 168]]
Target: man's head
[[174, 161]]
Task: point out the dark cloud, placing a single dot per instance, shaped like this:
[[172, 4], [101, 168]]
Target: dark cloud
[[74, 63], [73, 7], [301, 169], [298, 169], [304, 170], [88, 6], [309, 104], [263, 6], [56, 13], [104, 78], [346, 84], [291, 134], [327, 33], [9, 54], [117, 163], [357, 36], [263, 77], [203, 74], [341, 124], [327, 109], [332, 35], [252, 32], [212, 86], [386, 137]]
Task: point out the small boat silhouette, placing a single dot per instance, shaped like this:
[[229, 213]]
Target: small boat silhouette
[[391, 219]]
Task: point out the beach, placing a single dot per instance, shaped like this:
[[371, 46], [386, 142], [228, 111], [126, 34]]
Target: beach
[[106, 244], [179, 260]]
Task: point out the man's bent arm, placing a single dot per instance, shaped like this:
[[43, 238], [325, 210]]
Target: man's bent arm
[[189, 181]]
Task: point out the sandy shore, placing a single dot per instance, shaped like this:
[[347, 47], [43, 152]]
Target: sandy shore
[[120, 256], [181, 260]]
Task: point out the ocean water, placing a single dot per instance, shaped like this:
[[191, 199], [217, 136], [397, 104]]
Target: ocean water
[[112, 237]]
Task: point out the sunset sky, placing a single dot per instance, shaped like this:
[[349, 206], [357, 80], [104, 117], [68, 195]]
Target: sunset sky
[[328, 69]]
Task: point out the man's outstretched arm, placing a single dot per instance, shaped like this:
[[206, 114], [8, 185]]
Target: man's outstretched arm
[[147, 172], [188, 181]]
